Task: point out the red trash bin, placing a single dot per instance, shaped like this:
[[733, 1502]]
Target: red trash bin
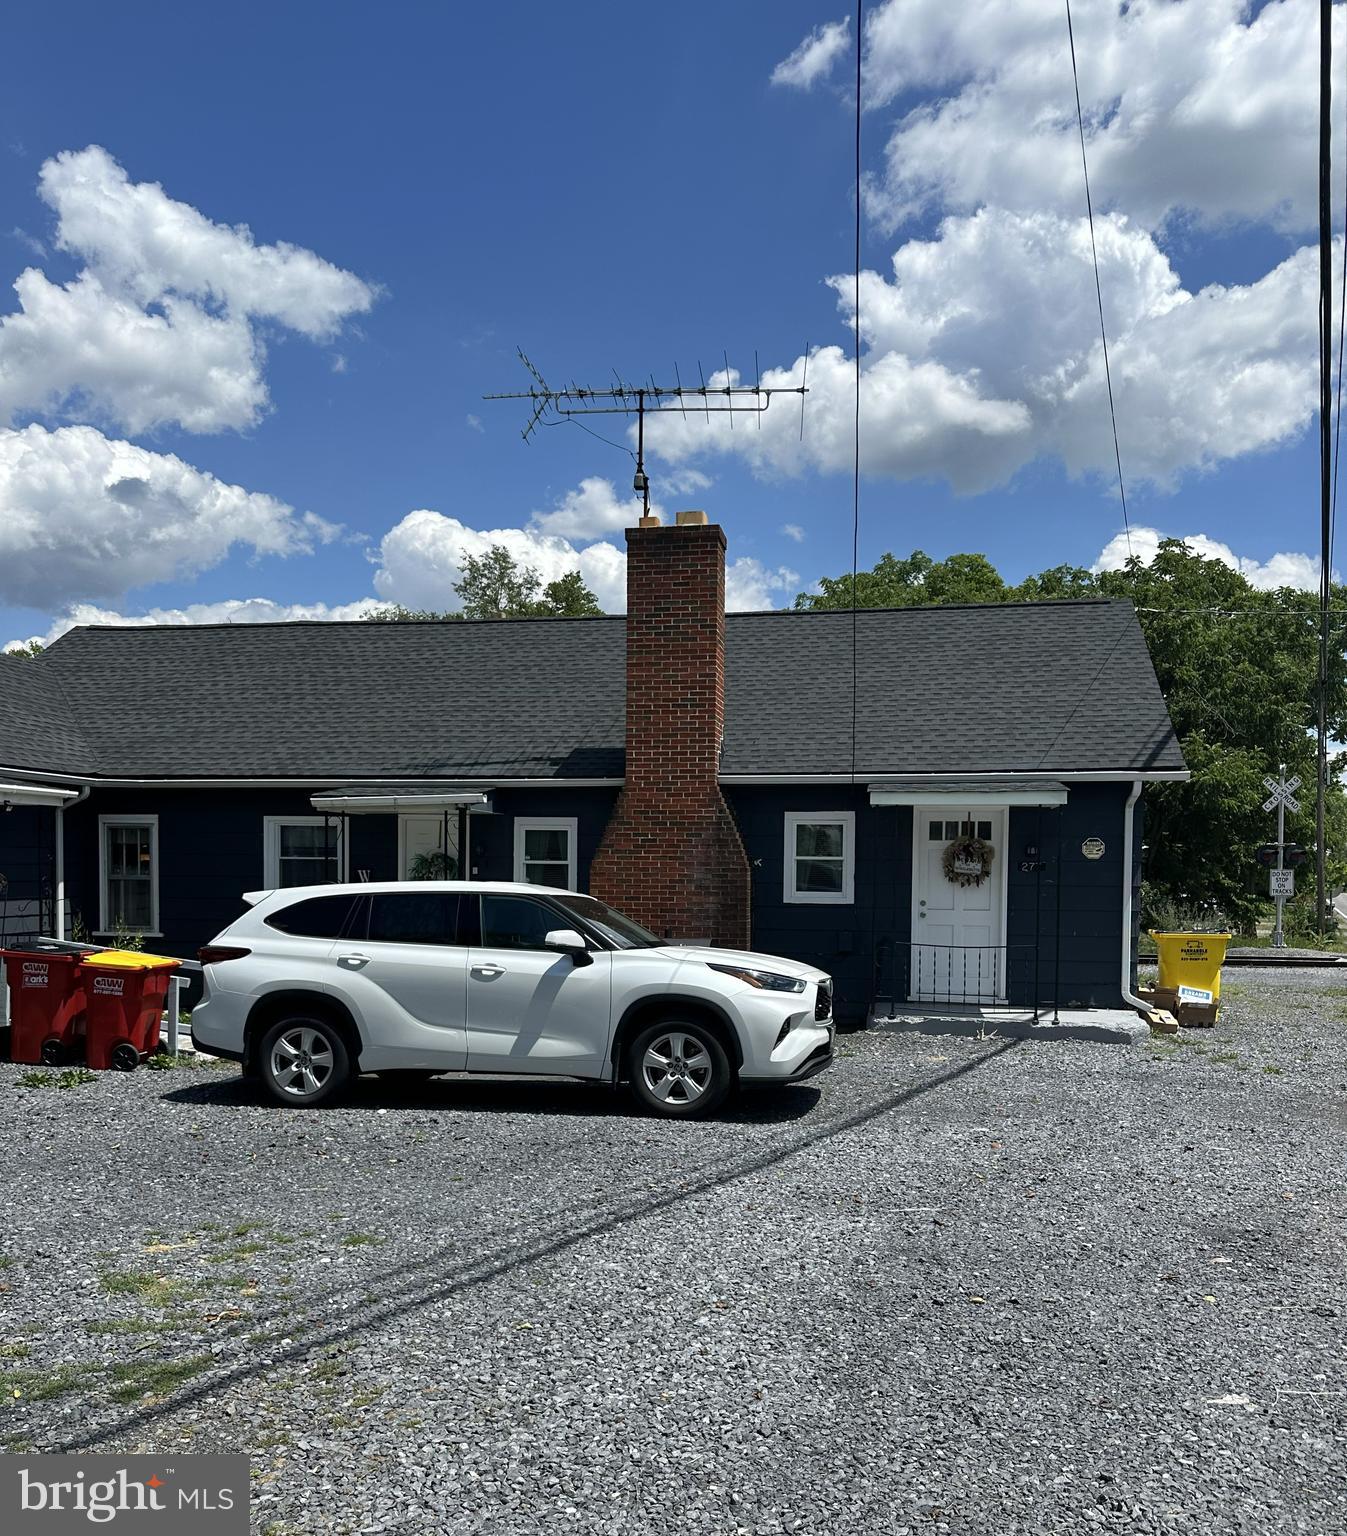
[[125, 994], [46, 1004]]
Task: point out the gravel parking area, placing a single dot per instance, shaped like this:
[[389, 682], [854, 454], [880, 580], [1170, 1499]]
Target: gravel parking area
[[952, 1286]]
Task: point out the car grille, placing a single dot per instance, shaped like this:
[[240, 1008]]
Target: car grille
[[823, 1003]]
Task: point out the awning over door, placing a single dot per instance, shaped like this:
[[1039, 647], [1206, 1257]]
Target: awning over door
[[429, 800], [939, 789], [35, 794]]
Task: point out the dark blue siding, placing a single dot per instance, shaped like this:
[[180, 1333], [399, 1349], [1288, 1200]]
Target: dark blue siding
[[839, 939], [1088, 916], [491, 837]]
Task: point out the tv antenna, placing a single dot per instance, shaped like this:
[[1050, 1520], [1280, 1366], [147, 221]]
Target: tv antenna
[[641, 400]]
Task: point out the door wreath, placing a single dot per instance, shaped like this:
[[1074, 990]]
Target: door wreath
[[967, 861]]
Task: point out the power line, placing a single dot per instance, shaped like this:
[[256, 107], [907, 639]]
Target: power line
[[1098, 291], [856, 438]]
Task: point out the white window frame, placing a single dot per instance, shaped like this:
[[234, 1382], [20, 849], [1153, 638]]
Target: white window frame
[[846, 897], [104, 916], [271, 846], [567, 824]]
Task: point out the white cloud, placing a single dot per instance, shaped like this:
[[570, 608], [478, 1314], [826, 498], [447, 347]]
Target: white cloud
[[793, 531], [750, 585], [1282, 570], [85, 517], [1201, 107], [246, 610], [982, 353], [422, 557], [591, 510], [160, 325], [475, 422], [816, 55]]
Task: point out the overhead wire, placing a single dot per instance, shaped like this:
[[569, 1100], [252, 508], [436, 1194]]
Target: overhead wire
[[1098, 289], [856, 425]]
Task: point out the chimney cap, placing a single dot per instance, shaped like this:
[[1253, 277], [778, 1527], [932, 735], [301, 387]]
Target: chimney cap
[[691, 519]]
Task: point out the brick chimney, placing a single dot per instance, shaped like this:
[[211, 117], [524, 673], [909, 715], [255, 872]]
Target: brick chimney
[[671, 855]]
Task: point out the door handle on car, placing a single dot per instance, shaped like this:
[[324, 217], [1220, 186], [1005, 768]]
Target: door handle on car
[[352, 962], [488, 972]]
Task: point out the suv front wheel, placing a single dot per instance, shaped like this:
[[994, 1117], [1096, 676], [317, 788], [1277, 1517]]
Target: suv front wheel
[[678, 1069], [303, 1061]]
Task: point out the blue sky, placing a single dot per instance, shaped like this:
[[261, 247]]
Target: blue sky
[[625, 187]]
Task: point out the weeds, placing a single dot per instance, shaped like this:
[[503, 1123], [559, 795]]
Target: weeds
[[155, 1378]]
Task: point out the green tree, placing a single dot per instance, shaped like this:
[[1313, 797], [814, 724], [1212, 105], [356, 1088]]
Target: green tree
[[1238, 668], [569, 598], [496, 586], [28, 649]]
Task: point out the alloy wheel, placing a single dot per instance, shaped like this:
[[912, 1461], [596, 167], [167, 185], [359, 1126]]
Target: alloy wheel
[[301, 1061], [677, 1068]]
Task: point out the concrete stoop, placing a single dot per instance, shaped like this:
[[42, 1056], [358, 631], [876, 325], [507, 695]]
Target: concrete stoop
[[1118, 1026]]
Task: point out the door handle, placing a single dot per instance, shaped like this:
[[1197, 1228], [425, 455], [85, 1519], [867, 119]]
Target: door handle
[[352, 962], [488, 972]]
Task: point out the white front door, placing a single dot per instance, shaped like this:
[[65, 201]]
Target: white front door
[[958, 931], [422, 838]]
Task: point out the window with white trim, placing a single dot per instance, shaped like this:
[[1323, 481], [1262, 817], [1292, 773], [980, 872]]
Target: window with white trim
[[820, 857], [544, 850], [301, 850], [128, 868]]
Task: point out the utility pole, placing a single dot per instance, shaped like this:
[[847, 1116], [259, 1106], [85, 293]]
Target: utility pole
[[1325, 443]]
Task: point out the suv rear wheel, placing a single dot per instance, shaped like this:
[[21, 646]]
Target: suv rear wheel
[[678, 1069], [303, 1061]]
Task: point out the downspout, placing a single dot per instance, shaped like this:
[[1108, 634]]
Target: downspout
[[60, 857], [1129, 997]]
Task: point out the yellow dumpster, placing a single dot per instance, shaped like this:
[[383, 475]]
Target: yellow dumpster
[[1190, 966]]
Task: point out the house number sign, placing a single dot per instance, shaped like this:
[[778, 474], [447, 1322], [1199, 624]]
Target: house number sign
[[1093, 847]]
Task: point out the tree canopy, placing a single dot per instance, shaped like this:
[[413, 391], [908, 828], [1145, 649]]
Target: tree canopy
[[1238, 667], [495, 586]]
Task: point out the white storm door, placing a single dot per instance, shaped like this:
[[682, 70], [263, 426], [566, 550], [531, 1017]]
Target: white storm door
[[958, 931], [423, 837]]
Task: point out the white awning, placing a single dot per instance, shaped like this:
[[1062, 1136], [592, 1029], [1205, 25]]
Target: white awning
[[35, 794], [361, 802], [953, 791]]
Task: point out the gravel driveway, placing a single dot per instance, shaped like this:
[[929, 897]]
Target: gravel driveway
[[951, 1286]]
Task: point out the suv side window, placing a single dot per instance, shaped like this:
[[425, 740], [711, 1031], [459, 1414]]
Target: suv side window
[[517, 922], [321, 917], [413, 917]]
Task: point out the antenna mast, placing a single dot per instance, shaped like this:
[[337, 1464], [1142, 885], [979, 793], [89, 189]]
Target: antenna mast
[[551, 406]]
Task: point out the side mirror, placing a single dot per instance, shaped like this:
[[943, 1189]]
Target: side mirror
[[568, 942]]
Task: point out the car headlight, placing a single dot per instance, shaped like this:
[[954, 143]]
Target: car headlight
[[769, 981]]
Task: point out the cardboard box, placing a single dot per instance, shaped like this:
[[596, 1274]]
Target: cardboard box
[[1197, 1015]]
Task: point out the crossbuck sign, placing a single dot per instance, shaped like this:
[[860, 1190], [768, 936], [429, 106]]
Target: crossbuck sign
[[1283, 793]]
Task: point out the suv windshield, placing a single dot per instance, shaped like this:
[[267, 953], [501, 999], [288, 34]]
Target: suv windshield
[[620, 931]]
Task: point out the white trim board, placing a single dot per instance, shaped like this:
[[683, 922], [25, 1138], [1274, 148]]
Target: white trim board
[[128, 819], [570, 825], [1054, 795]]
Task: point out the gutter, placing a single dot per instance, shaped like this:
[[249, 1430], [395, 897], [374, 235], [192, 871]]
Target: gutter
[[1129, 997]]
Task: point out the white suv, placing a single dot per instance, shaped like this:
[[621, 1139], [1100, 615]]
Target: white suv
[[317, 983]]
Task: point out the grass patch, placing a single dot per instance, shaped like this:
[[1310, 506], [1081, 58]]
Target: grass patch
[[36, 1079], [244, 1228], [1275, 1071], [161, 1061], [156, 1378], [359, 1240], [245, 1249], [38, 1386], [72, 1077], [157, 1290], [15, 1351]]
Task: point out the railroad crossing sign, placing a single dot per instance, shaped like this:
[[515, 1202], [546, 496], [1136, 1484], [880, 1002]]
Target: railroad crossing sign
[[1283, 793]]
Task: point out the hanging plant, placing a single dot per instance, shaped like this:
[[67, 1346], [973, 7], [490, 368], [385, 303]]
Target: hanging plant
[[434, 866], [967, 861]]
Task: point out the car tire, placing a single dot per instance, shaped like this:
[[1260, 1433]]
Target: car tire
[[303, 1061], [678, 1069]]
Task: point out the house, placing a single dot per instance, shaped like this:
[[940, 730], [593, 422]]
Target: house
[[931, 803]]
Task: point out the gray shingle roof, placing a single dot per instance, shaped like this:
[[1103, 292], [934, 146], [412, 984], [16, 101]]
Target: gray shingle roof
[[1060, 687]]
